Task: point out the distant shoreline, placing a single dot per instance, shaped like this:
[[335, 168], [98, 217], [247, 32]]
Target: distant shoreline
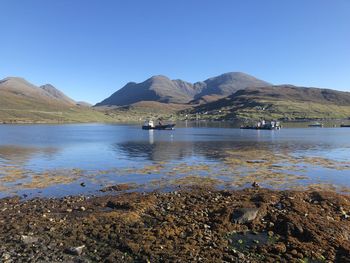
[[177, 120]]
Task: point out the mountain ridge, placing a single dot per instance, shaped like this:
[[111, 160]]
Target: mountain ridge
[[159, 96], [57, 94], [160, 88]]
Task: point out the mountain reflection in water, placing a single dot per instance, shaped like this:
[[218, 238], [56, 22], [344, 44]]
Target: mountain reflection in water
[[98, 153]]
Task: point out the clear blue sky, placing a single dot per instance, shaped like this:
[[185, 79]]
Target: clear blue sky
[[91, 48]]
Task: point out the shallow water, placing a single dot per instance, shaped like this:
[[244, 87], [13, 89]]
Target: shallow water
[[53, 160]]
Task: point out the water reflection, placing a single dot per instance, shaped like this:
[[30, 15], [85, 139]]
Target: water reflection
[[15, 154], [211, 150], [151, 136], [97, 150], [155, 151]]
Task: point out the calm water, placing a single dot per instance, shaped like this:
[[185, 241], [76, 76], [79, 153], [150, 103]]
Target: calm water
[[100, 155]]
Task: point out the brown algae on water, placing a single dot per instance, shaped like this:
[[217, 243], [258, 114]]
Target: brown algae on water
[[239, 168]]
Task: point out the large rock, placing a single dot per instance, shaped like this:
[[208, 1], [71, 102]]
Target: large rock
[[244, 215]]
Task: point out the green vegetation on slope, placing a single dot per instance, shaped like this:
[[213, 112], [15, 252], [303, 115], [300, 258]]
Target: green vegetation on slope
[[291, 110], [276, 102], [45, 116], [22, 102], [144, 110]]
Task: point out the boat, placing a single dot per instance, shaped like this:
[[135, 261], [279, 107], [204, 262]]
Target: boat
[[316, 124], [247, 127], [149, 125], [345, 125], [263, 125]]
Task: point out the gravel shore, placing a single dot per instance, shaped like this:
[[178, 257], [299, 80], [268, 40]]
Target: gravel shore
[[189, 225]]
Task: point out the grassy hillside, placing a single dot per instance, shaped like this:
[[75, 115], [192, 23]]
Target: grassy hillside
[[21, 102], [277, 102], [41, 114], [15, 109], [144, 110]]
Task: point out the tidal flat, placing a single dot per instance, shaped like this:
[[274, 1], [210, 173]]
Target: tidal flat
[[238, 169], [114, 193]]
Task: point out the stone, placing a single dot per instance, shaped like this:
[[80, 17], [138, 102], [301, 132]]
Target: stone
[[255, 185], [28, 239], [280, 248], [118, 205], [244, 215], [291, 229], [77, 251], [300, 255], [6, 256]]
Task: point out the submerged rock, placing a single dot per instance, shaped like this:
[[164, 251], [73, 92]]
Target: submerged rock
[[117, 188]]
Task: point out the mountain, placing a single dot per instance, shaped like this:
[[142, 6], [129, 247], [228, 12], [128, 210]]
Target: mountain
[[162, 89], [157, 88], [57, 94], [278, 102], [19, 92], [158, 96], [227, 84], [21, 101]]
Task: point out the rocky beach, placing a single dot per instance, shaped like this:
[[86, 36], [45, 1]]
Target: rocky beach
[[174, 131], [191, 224]]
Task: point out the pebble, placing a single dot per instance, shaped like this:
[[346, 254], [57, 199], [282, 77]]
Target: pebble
[[6, 256], [75, 250], [199, 229], [28, 239], [300, 255], [280, 247], [255, 185]]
